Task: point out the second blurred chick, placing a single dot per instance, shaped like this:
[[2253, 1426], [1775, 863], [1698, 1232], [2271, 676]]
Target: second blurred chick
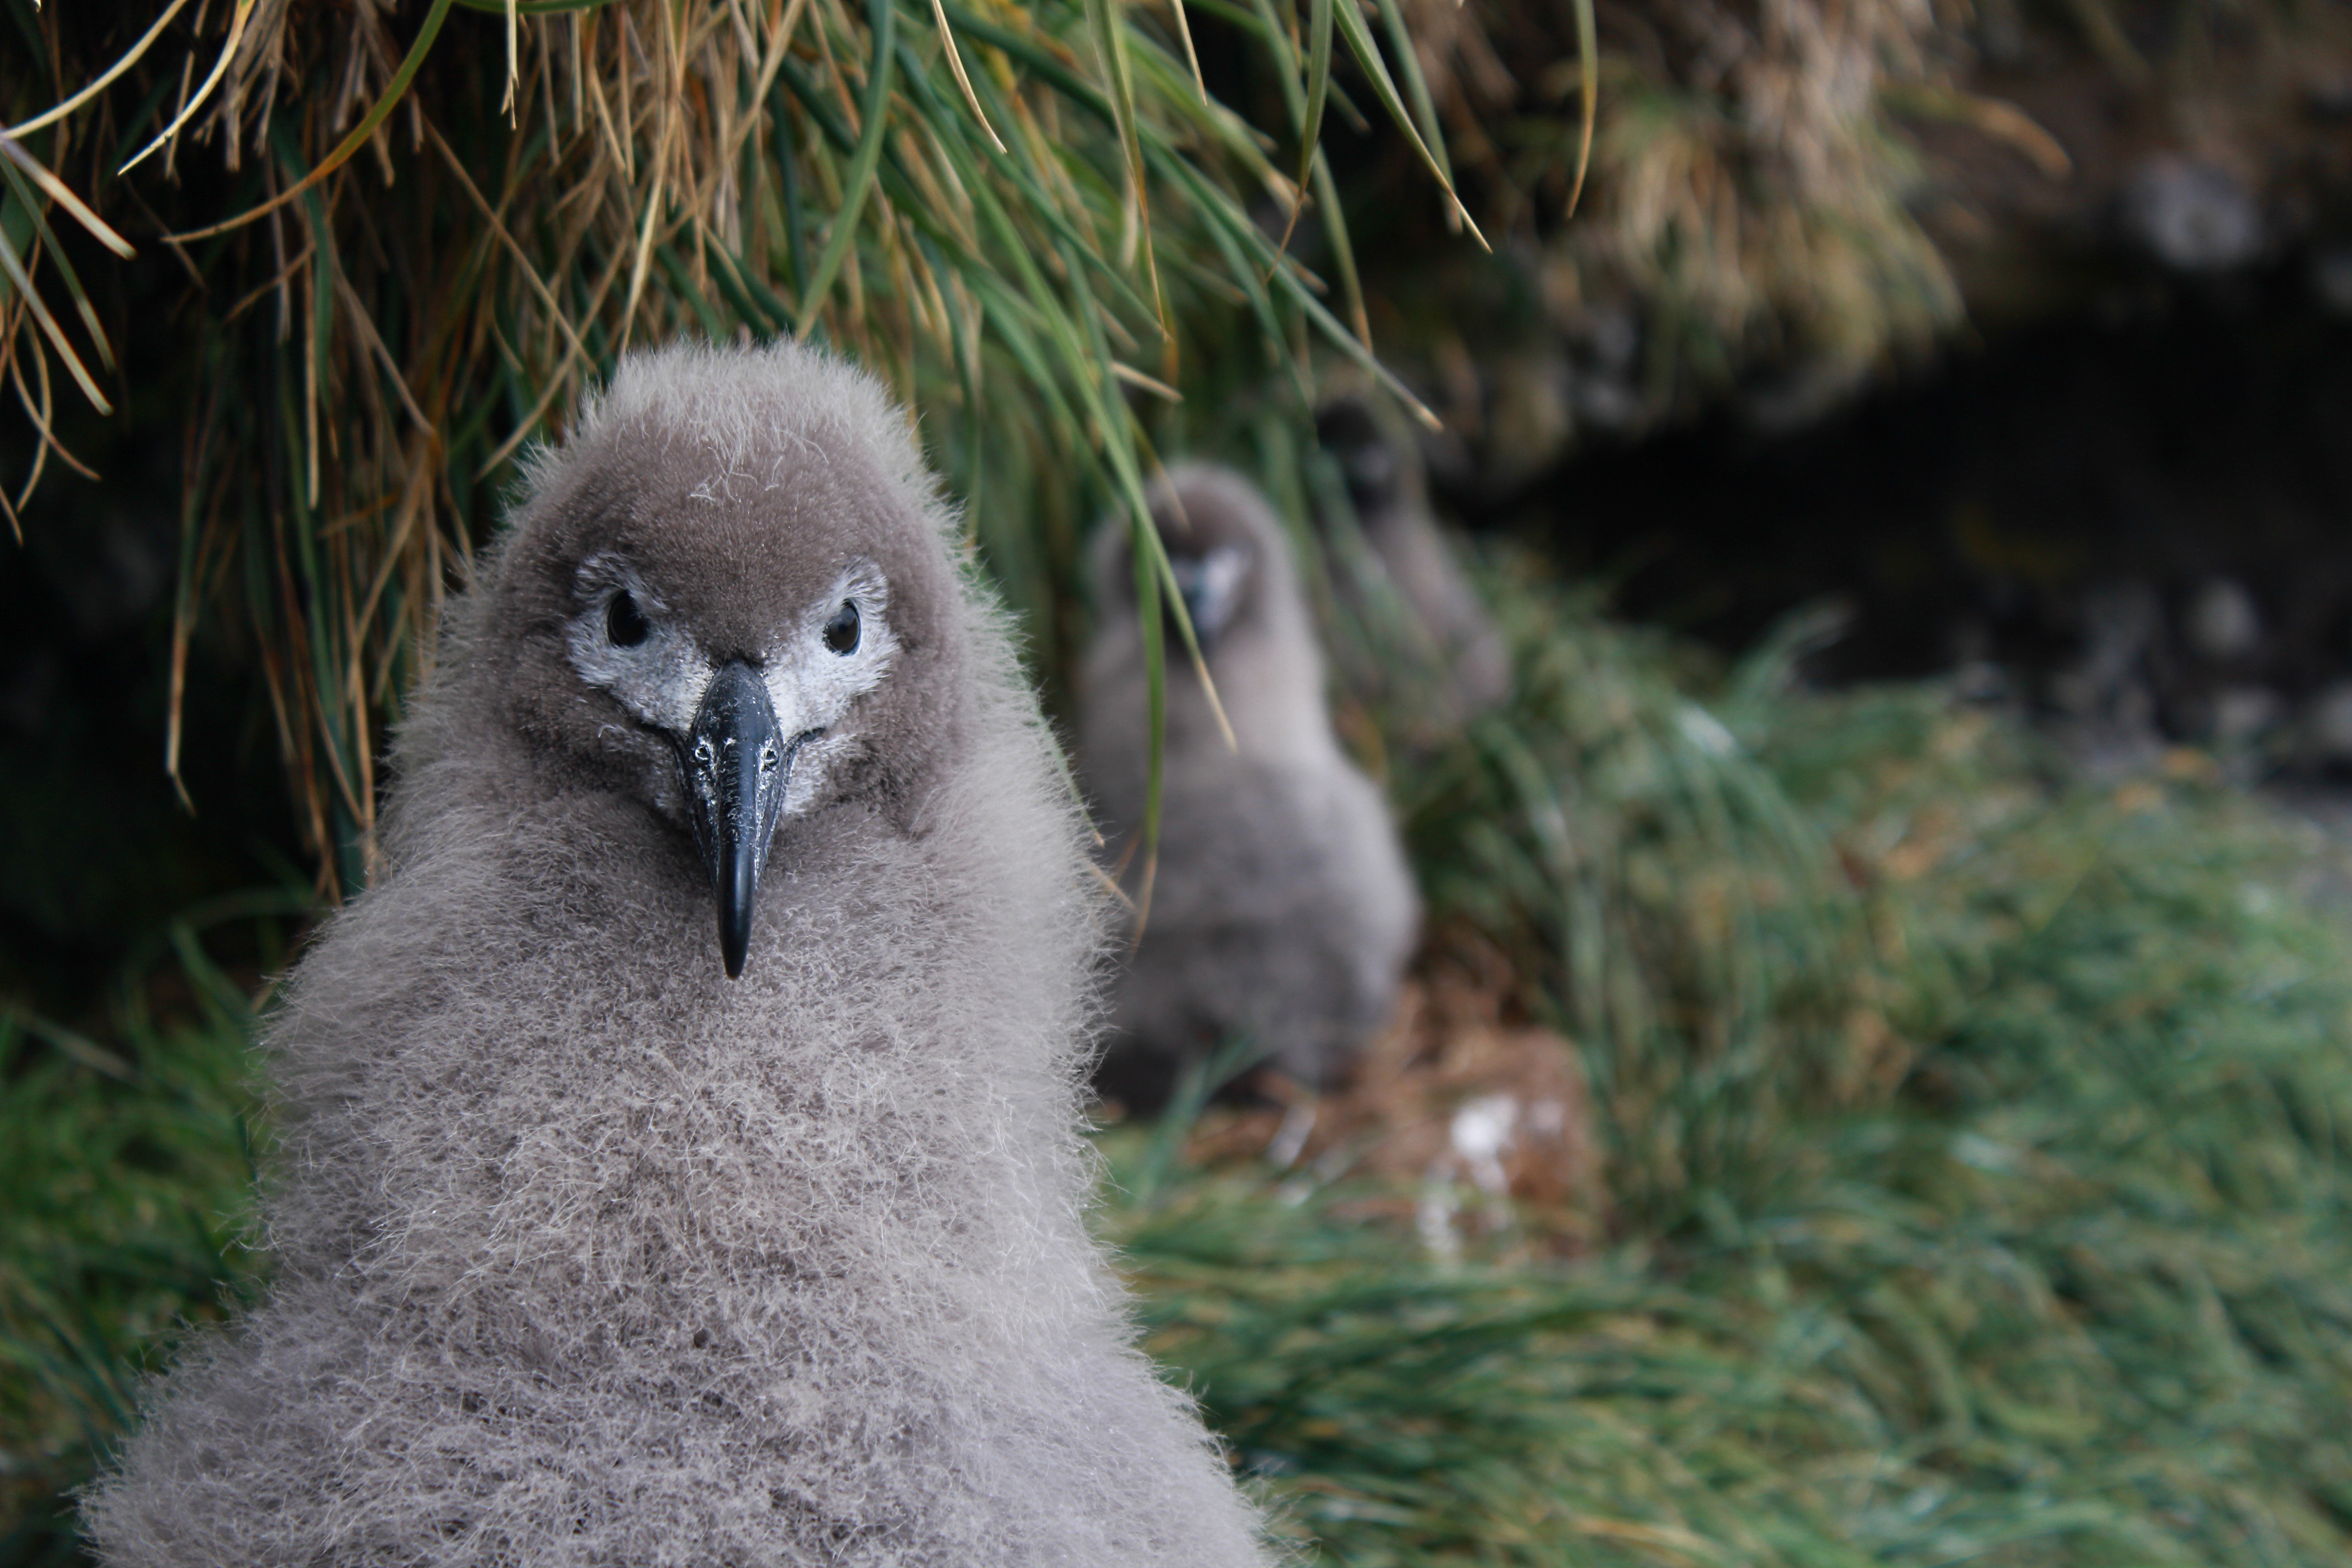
[[1433, 657]]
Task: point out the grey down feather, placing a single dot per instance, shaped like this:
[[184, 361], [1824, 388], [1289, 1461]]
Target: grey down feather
[[587, 1254]]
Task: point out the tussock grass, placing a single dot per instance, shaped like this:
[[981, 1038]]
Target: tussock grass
[[129, 1165], [381, 246], [1671, 907], [2047, 1259], [400, 245]]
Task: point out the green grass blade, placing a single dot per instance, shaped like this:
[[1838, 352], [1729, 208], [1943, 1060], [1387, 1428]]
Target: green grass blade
[[1287, 71], [1144, 547], [788, 180], [1015, 166], [1376, 70], [14, 270], [1343, 250], [963, 78], [23, 191], [681, 280], [1310, 120], [759, 309], [1109, 35], [1588, 74], [858, 183], [1234, 224], [58, 191], [1118, 427], [1416, 85]]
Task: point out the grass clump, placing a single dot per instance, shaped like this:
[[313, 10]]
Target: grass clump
[[1671, 907], [128, 1165]]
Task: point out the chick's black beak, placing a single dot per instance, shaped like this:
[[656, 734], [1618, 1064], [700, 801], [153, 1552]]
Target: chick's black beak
[[737, 764]]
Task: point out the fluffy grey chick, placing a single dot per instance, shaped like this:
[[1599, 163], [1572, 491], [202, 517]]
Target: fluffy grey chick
[[1435, 659], [1282, 906], [589, 1254]]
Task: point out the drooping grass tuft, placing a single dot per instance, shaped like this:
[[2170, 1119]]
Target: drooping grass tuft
[[393, 248]]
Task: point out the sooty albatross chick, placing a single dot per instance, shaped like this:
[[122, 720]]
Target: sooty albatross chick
[[611, 1233], [1282, 907]]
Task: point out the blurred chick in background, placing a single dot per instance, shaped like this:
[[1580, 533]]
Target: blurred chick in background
[[1281, 908]]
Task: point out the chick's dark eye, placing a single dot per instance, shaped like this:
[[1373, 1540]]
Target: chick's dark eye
[[625, 623], [840, 632]]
